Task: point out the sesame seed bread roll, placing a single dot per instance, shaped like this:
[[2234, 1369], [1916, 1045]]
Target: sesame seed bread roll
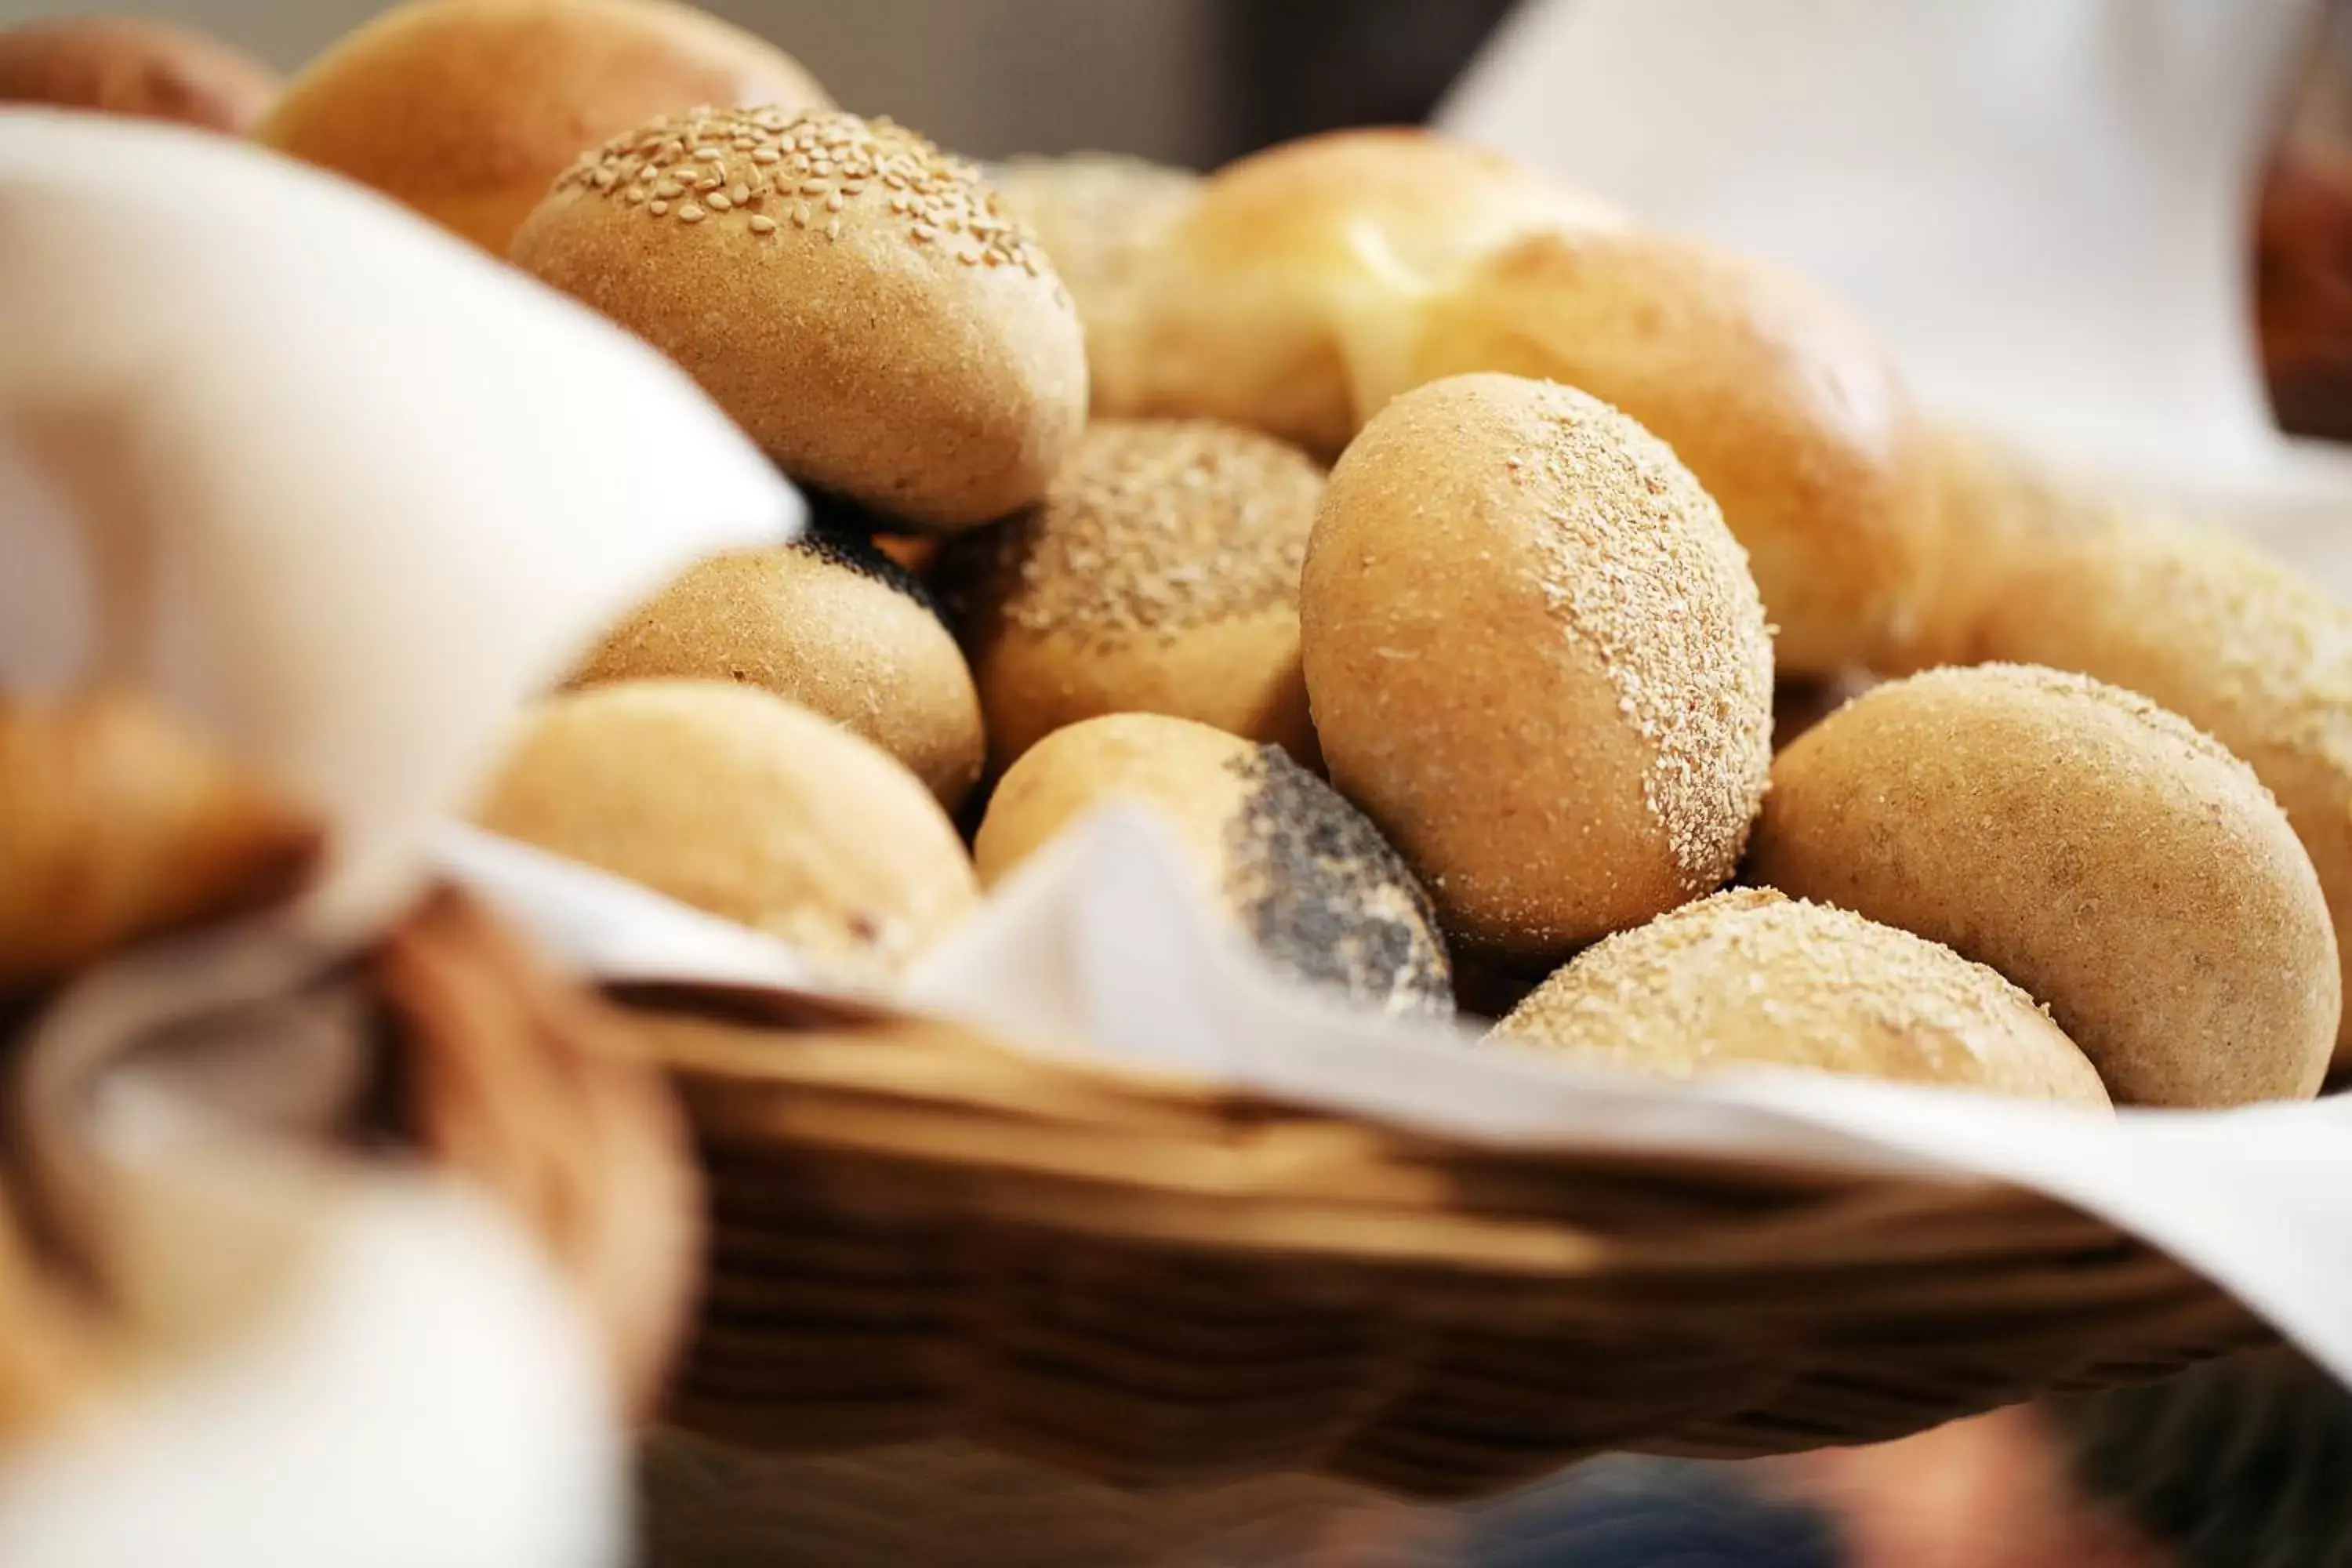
[[851, 296], [1749, 978], [1306, 877], [2229, 640], [827, 622], [467, 114], [1098, 216], [1535, 659], [734, 801], [148, 69], [2096, 849], [1290, 290], [1160, 574]]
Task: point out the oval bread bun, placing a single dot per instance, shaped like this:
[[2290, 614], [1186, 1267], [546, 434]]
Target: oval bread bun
[[735, 801], [2094, 848], [1538, 662], [851, 296], [1160, 574], [1099, 215], [830, 623], [2214, 630], [1751, 978], [1286, 295], [1779, 402], [1312, 883], [149, 69], [467, 114]]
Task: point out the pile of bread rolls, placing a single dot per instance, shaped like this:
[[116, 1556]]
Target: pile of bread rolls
[[1433, 547]]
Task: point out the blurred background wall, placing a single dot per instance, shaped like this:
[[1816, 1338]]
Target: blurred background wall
[[1187, 81]]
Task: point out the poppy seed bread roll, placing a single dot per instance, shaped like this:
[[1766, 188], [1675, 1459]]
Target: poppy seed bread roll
[[1537, 660], [1750, 978], [1160, 574], [1306, 877], [852, 296], [2094, 848], [734, 801], [467, 114], [141, 68], [828, 622]]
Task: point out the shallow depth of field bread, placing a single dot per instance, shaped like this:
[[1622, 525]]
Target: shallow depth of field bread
[[858, 301], [829, 622], [2114, 861], [1537, 660], [1312, 883], [144, 69], [1750, 978], [746, 807], [1160, 574]]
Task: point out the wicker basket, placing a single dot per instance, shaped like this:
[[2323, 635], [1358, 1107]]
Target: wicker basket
[[918, 1235]]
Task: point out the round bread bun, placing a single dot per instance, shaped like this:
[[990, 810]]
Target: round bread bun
[[1538, 662], [2092, 846], [467, 112], [1751, 978], [851, 296], [1288, 296], [829, 622], [148, 69], [2230, 640], [1308, 878], [736, 802], [1780, 403], [1159, 576], [1099, 215]]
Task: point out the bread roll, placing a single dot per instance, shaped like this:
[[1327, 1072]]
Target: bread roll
[[1098, 216], [2094, 848], [2233, 642], [854, 298], [1160, 574], [830, 623], [467, 112], [1538, 662], [1287, 297], [736, 802], [146, 69], [1312, 883], [116, 823], [1750, 978]]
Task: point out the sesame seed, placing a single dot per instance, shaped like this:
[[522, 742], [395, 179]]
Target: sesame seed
[[762, 225], [660, 209], [719, 202], [833, 229], [738, 192]]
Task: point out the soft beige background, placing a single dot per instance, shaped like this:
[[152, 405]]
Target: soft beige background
[[988, 77]]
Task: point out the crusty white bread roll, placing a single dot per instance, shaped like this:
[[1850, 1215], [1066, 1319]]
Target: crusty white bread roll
[[467, 112], [143, 68]]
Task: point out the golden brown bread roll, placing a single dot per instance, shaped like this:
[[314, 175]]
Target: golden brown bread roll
[[1750, 978], [1538, 662], [1313, 883], [2216, 631], [116, 823], [2096, 849], [467, 112], [1160, 574], [136, 67], [735, 801], [830, 623], [851, 296]]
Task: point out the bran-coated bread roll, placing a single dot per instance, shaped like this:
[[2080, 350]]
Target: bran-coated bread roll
[[467, 112], [1750, 978], [1535, 659], [1311, 880], [2096, 849], [828, 622], [2213, 629], [1160, 574], [141, 68], [854, 298], [744, 805]]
